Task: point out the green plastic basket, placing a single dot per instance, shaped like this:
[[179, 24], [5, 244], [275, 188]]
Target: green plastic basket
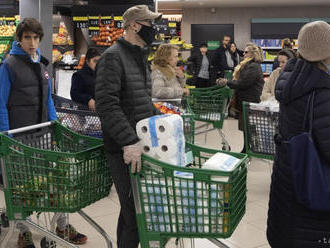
[[174, 201], [209, 104], [52, 169], [260, 126]]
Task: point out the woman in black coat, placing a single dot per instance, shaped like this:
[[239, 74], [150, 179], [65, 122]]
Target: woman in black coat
[[83, 81], [291, 224], [247, 80], [231, 58]]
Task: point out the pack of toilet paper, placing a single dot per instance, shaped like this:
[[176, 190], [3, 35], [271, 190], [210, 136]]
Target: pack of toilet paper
[[221, 161], [162, 137]]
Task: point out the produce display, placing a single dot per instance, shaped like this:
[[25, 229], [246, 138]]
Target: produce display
[[108, 34], [7, 30], [62, 38]]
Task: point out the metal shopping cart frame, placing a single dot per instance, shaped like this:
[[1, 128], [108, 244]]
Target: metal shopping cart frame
[[199, 205], [260, 126], [210, 105], [20, 201], [77, 117]]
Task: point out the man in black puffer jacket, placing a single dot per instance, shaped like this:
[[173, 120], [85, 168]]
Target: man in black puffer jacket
[[291, 224], [123, 97]]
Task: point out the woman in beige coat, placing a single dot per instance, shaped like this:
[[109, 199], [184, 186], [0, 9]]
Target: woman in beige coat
[[268, 91], [168, 80]]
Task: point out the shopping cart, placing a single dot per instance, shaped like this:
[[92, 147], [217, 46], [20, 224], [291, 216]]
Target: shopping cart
[[188, 118], [183, 202], [210, 105], [77, 117], [260, 126], [49, 168]]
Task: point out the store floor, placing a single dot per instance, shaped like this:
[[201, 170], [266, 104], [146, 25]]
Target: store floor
[[251, 232]]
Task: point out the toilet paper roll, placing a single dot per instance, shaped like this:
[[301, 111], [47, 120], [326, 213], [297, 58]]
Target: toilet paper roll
[[148, 149], [171, 151], [172, 125], [142, 129]]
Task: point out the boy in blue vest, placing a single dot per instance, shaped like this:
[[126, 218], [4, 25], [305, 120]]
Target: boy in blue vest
[[25, 99]]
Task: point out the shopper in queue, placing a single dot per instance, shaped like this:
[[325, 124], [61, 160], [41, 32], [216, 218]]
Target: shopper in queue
[[290, 223], [286, 43], [25, 99], [199, 64], [231, 58], [168, 80], [247, 80], [83, 81], [123, 97], [218, 58], [268, 91]]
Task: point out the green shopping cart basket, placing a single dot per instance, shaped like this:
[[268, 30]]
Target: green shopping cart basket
[[174, 201], [51, 169], [260, 126]]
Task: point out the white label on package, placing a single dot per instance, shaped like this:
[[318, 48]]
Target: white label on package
[[221, 161]]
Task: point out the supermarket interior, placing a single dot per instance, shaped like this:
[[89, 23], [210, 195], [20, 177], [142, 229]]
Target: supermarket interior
[[164, 123]]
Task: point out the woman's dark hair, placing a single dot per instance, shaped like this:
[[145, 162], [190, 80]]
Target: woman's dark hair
[[29, 25], [289, 53], [91, 53], [203, 44]]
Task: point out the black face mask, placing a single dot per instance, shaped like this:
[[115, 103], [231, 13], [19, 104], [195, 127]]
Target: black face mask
[[147, 34]]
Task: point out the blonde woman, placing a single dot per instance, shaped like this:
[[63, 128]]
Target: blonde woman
[[168, 80], [248, 80]]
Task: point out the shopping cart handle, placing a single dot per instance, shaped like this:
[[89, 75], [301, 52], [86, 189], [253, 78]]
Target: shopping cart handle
[[166, 100], [27, 128]]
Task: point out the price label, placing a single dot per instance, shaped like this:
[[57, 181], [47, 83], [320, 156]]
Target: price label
[[93, 20], [118, 22], [172, 24], [162, 27], [106, 20], [81, 21]]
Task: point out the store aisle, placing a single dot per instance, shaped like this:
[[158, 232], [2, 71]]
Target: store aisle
[[251, 232]]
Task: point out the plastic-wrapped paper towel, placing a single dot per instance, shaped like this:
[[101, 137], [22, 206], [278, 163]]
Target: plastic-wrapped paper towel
[[269, 105], [162, 137], [221, 161]]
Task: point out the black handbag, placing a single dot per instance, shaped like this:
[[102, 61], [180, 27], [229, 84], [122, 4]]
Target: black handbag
[[311, 176]]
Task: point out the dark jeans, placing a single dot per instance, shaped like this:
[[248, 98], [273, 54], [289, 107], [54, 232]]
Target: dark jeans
[[202, 83], [127, 231]]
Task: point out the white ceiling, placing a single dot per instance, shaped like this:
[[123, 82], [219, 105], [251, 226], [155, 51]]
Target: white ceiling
[[180, 4]]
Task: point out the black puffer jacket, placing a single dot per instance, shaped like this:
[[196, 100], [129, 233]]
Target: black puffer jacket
[[83, 85], [291, 225], [122, 93], [195, 63], [249, 85]]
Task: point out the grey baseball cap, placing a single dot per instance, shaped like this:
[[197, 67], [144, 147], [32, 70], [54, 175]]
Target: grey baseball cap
[[139, 13]]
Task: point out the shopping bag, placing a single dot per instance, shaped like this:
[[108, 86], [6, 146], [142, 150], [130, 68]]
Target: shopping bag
[[311, 176]]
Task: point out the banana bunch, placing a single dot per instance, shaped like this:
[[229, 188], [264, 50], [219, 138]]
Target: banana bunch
[[7, 30], [187, 46], [3, 48]]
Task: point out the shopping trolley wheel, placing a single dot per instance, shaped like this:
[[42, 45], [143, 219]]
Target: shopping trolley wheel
[[46, 243]]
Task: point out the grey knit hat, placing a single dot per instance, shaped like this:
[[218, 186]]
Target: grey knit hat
[[314, 41]]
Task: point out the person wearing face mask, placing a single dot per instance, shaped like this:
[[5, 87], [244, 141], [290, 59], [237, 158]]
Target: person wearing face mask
[[167, 78], [290, 223], [123, 97], [83, 81], [268, 91]]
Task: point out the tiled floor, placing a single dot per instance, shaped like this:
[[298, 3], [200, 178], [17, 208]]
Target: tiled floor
[[251, 232]]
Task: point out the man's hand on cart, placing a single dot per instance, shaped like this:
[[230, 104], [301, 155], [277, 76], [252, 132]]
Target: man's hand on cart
[[91, 105], [132, 155], [222, 81]]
